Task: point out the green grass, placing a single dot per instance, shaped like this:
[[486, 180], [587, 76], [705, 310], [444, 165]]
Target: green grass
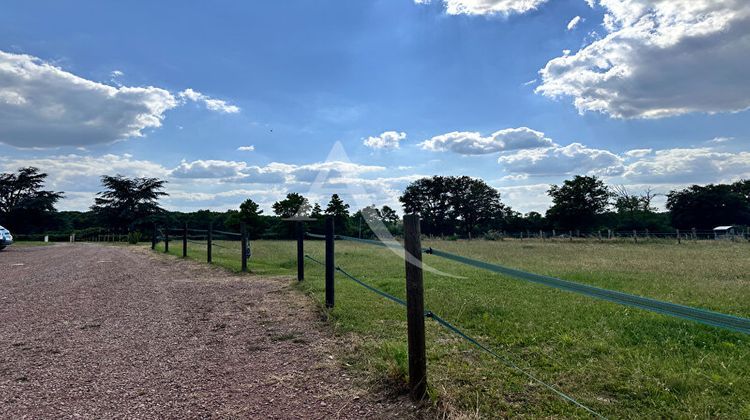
[[29, 243], [620, 361]]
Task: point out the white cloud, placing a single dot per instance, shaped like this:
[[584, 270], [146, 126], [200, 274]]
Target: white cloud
[[488, 7], [211, 103], [44, 106], [250, 148], [638, 153], [659, 58], [473, 143], [573, 23], [574, 158], [690, 165], [720, 139], [386, 140]]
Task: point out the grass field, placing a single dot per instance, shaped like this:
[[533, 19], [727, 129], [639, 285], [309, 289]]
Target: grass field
[[620, 361]]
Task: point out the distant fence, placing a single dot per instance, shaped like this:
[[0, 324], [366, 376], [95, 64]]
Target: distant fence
[[627, 235], [202, 237]]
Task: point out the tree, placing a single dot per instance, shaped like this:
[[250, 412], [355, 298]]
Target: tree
[[128, 203], [24, 205], [578, 202], [293, 205], [340, 212], [446, 204], [389, 216], [474, 202], [634, 211], [430, 198], [705, 207], [251, 215]]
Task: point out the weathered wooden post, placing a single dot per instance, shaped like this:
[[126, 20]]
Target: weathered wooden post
[[153, 237], [330, 265], [570, 233], [679, 238], [209, 242], [541, 234], [300, 251], [415, 308], [695, 236], [609, 233], [166, 240], [243, 230], [184, 240], [635, 236], [599, 233]]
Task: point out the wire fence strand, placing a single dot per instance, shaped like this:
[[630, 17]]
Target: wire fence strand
[[452, 328]]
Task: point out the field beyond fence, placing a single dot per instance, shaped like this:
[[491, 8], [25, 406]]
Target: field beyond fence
[[620, 361]]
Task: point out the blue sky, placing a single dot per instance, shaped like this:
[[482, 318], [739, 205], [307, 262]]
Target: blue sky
[[517, 92]]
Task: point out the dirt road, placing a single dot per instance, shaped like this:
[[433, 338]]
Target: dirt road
[[113, 332]]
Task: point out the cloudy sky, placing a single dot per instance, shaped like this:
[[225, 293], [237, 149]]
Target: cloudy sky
[[229, 100]]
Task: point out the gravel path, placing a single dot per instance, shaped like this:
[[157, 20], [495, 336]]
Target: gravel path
[[112, 332]]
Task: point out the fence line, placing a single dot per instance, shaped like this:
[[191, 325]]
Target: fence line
[[457, 331], [703, 316]]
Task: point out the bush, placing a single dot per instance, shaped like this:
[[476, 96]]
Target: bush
[[134, 237]]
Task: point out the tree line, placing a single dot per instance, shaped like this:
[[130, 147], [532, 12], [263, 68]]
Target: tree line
[[448, 205]]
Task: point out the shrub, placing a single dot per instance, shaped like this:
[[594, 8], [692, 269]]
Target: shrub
[[134, 237]]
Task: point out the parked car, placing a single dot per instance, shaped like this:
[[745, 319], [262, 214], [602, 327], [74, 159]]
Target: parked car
[[5, 238]]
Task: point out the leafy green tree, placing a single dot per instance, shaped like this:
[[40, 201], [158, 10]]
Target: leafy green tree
[[128, 203], [251, 215], [474, 203], [293, 205], [25, 206], [705, 207], [447, 204], [389, 216], [578, 203], [431, 199], [340, 212]]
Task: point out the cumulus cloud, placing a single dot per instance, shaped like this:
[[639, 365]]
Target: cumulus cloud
[[637, 153], [210, 103], [573, 23], [386, 140], [574, 158], [659, 58], [43, 106], [473, 143], [488, 7], [81, 174], [689, 165]]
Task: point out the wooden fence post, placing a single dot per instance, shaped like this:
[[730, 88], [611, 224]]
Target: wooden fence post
[[243, 230], [166, 240], [695, 237], [415, 308], [570, 233], [153, 237], [209, 242], [330, 265], [679, 238], [300, 251], [635, 236], [184, 240]]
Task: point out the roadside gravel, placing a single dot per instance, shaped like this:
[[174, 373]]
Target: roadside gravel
[[98, 331]]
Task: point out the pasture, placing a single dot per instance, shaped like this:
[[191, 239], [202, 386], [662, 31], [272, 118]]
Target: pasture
[[619, 361]]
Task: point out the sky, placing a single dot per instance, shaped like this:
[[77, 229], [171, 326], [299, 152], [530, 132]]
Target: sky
[[231, 100]]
